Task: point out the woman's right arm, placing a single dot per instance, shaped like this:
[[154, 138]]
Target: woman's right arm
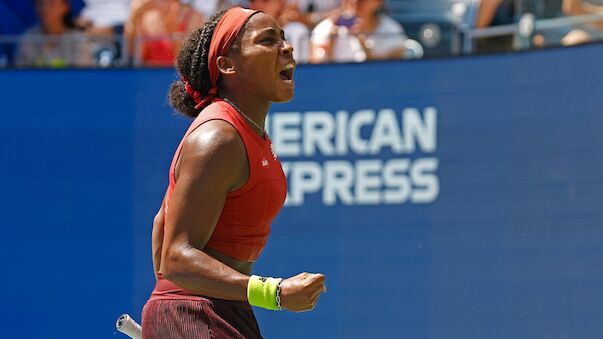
[[212, 163]]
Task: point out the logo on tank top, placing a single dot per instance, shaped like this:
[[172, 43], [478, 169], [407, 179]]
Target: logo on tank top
[[264, 163]]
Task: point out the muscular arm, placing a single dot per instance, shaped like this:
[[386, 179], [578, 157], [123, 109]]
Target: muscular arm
[[212, 162]]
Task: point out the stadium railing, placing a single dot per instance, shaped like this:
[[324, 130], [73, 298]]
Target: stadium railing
[[116, 51], [525, 29]]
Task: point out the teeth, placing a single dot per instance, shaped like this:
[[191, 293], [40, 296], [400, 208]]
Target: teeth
[[288, 67]]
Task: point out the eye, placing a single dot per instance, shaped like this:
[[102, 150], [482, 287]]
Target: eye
[[268, 40]]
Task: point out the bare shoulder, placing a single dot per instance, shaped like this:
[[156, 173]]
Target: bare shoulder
[[213, 136], [215, 147]]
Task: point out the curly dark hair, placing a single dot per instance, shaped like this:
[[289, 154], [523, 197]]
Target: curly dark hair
[[191, 63]]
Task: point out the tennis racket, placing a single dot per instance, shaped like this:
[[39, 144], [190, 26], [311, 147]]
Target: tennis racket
[[126, 325]]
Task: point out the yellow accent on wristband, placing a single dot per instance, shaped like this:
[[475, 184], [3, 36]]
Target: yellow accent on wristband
[[262, 292]]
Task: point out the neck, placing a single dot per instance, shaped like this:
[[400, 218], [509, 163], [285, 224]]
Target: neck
[[252, 107], [368, 23]]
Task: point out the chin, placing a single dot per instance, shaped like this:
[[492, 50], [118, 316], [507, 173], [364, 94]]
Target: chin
[[283, 97]]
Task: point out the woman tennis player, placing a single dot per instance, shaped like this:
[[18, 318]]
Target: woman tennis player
[[225, 186]]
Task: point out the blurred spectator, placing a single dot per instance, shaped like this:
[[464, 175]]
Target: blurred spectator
[[357, 32], [103, 20], [316, 6], [289, 17], [54, 42], [104, 16], [542, 9], [494, 13], [587, 32], [209, 7], [157, 29], [308, 12], [311, 12]]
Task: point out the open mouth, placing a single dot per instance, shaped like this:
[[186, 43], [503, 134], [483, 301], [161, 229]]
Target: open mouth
[[287, 73]]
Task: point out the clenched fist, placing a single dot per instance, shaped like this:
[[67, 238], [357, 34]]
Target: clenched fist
[[300, 293]]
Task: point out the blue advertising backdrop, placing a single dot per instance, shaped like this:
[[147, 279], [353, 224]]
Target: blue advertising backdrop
[[451, 198]]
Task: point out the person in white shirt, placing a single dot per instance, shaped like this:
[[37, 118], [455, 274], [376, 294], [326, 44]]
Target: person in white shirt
[[106, 13], [358, 32], [314, 11]]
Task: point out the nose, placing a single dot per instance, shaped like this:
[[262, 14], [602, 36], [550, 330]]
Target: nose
[[287, 48]]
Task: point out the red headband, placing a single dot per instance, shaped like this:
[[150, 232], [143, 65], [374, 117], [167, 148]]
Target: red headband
[[224, 36]]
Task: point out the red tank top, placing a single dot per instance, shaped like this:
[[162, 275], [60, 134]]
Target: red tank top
[[244, 224]]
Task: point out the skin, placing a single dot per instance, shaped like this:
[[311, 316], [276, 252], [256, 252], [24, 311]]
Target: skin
[[212, 163], [51, 14], [367, 22], [365, 11], [285, 12], [486, 12], [578, 7]]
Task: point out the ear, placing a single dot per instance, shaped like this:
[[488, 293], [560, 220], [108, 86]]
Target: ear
[[225, 65]]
